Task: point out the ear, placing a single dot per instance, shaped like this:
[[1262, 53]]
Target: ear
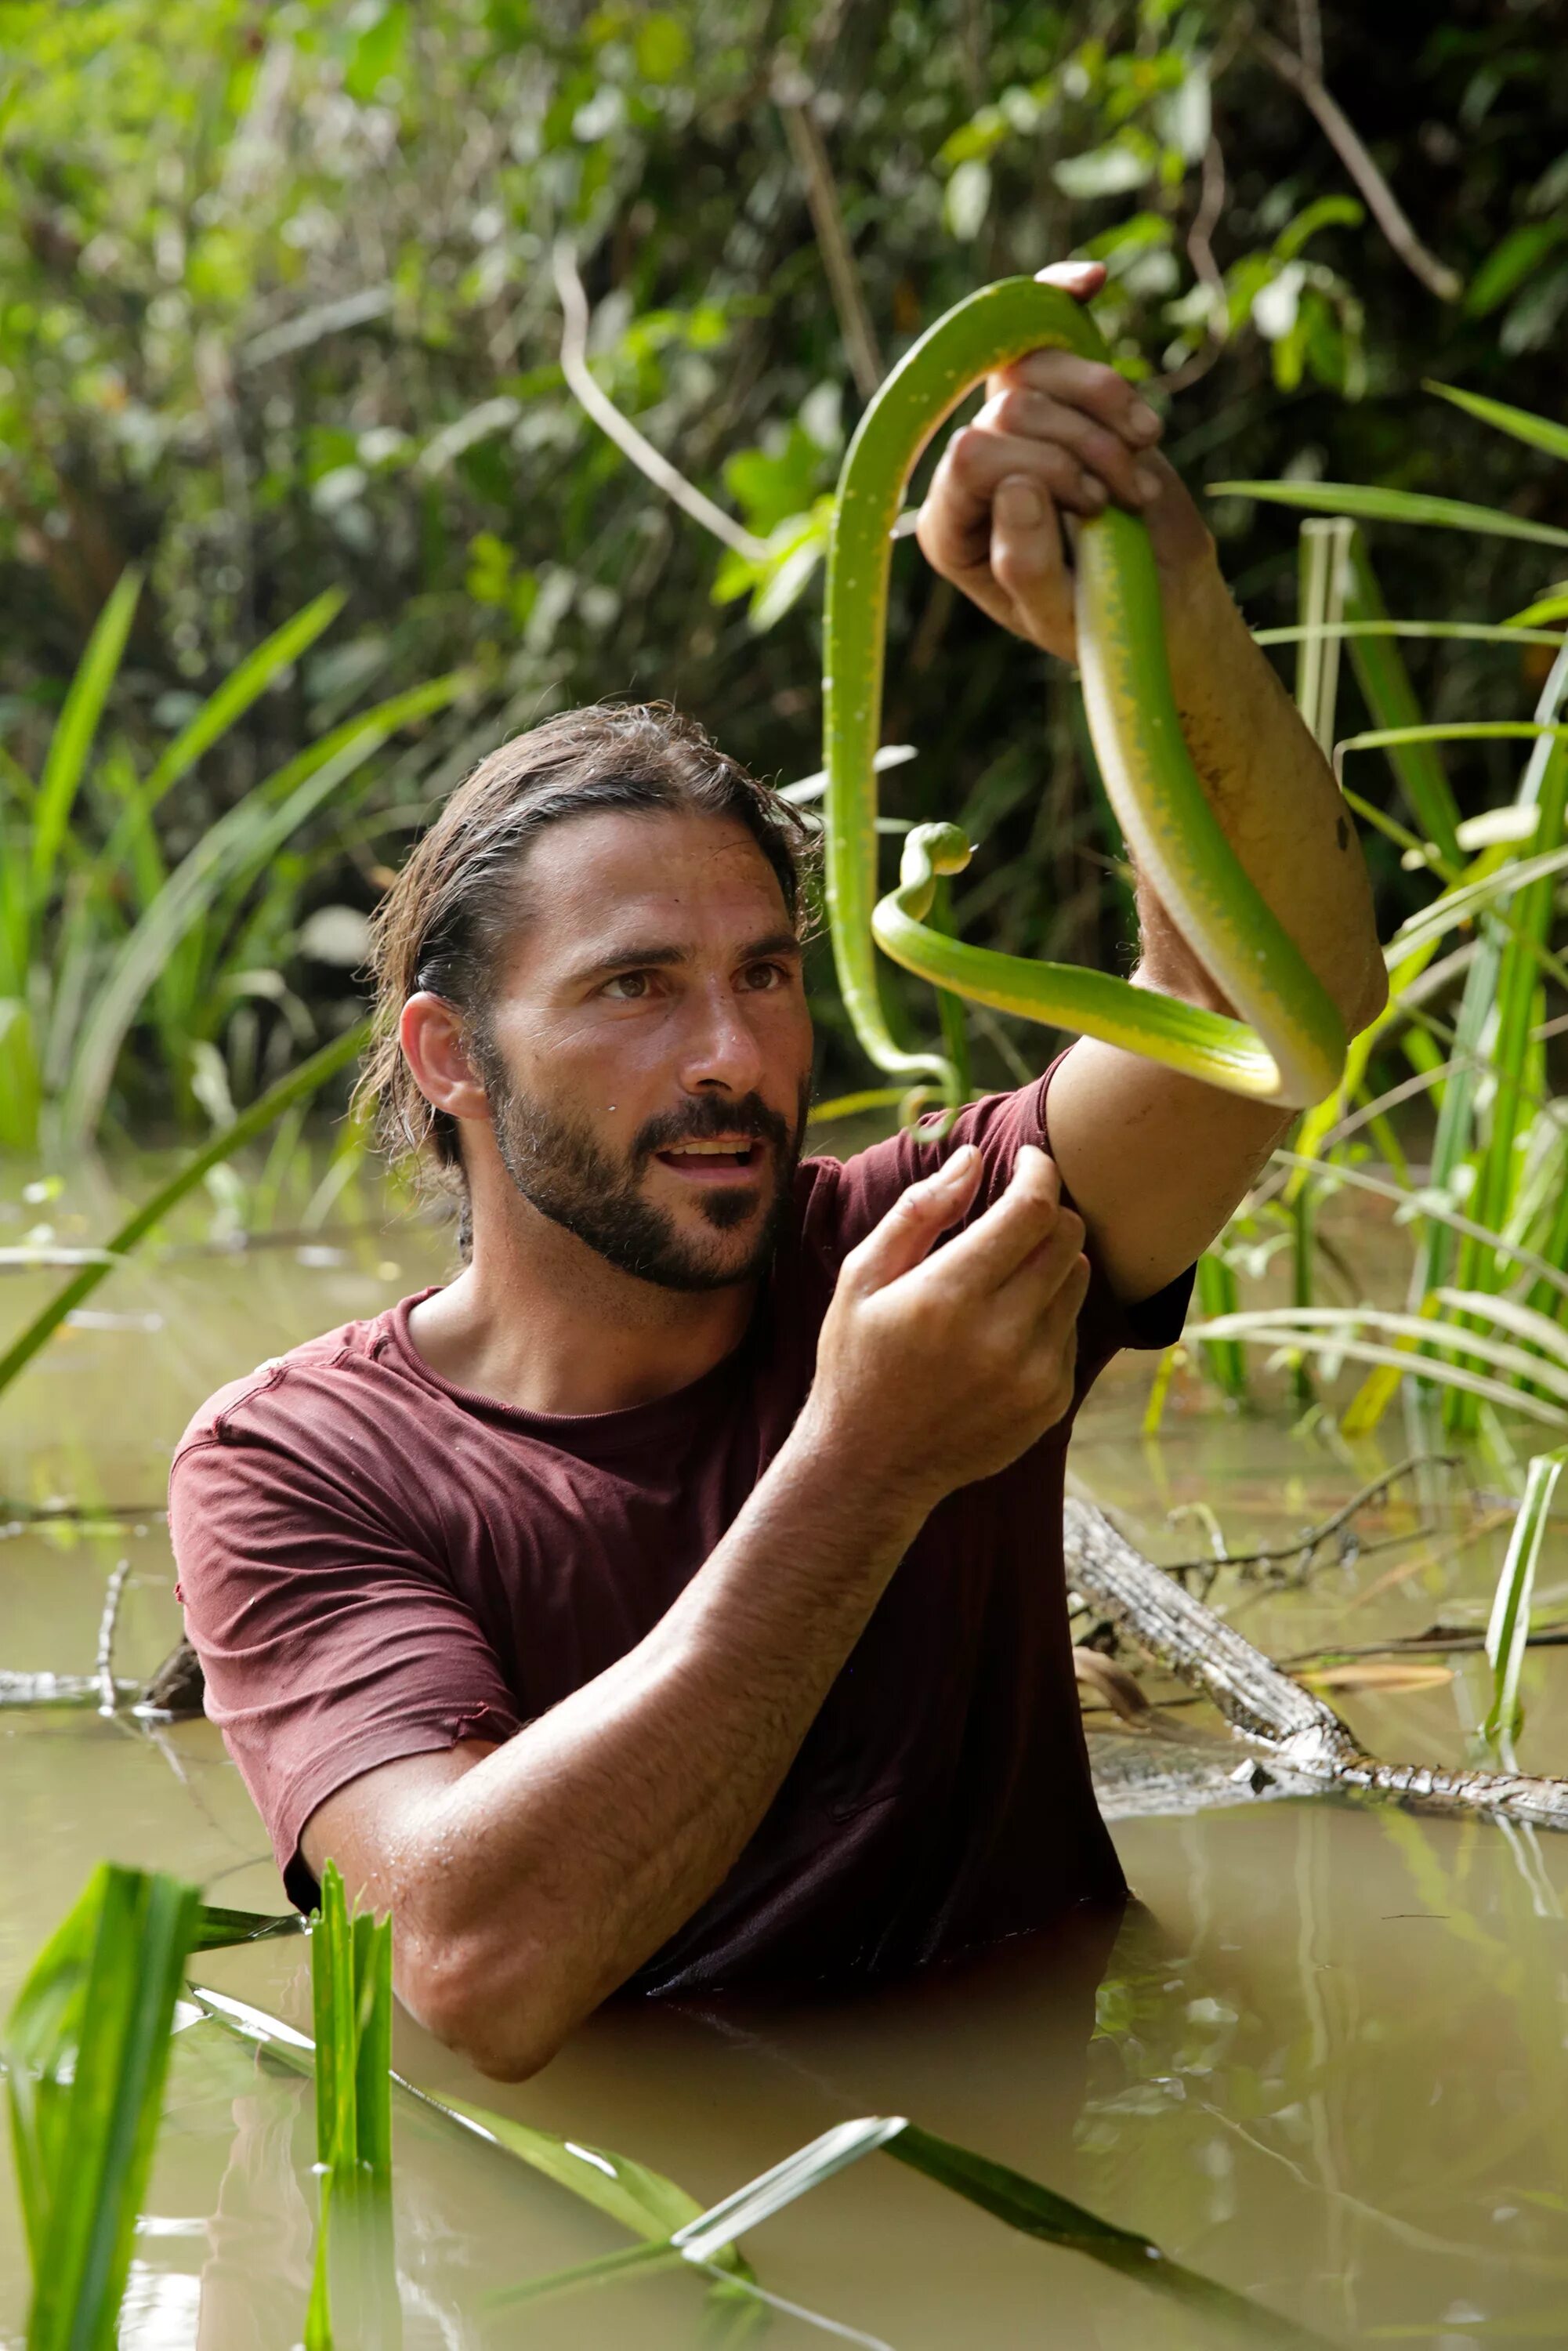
[[430, 1031]]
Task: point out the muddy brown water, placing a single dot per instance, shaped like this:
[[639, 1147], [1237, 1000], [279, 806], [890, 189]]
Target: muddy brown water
[[1323, 2061]]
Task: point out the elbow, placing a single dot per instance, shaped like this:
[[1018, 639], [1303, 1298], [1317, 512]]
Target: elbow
[[496, 2013]]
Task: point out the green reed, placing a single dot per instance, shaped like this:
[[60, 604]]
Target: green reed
[[86, 2050], [103, 932], [1485, 1320]]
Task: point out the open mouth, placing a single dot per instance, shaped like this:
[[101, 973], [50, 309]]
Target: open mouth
[[714, 1159]]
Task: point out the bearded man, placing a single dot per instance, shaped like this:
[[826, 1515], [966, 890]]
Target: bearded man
[[675, 1600]]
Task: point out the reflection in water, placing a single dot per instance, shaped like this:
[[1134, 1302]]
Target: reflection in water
[[1323, 2062]]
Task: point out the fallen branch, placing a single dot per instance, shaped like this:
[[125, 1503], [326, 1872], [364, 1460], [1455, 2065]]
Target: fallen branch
[[1270, 1714], [620, 429], [1345, 141]]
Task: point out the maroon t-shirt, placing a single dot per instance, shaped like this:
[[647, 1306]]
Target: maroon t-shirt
[[376, 1564]]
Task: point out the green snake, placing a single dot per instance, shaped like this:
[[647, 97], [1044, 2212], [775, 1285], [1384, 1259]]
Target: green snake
[[1290, 1045]]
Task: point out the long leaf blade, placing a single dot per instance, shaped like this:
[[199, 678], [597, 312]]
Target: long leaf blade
[[298, 1085], [1370, 505], [76, 727], [243, 685], [1519, 423]]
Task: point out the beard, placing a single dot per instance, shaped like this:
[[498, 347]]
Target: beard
[[562, 1169]]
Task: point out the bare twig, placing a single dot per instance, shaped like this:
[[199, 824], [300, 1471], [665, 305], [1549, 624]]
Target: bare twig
[[793, 97], [104, 1669], [1309, 34], [1207, 270], [1311, 1539], [620, 430], [1345, 141]]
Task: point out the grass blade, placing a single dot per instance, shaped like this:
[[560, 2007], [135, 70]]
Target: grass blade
[[1508, 1630], [296, 1086], [1282, 1334], [1369, 505], [1519, 423], [1037, 2211], [87, 2051], [219, 1930], [243, 686], [1518, 631], [75, 728]]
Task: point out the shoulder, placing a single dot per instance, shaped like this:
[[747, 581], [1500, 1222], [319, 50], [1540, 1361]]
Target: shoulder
[[264, 1401]]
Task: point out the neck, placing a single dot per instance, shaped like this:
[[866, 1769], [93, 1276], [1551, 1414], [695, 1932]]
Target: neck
[[541, 1322]]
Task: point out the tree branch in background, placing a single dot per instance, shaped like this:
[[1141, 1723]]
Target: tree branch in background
[[793, 97], [1207, 270], [1343, 138], [620, 430], [1310, 37]]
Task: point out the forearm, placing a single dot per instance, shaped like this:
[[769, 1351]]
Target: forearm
[[534, 1886], [1276, 800]]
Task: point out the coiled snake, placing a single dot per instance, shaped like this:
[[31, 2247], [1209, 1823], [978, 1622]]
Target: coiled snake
[[1289, 1046]]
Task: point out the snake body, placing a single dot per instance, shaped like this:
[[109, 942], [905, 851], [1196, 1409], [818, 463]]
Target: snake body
[[1290, 1045]]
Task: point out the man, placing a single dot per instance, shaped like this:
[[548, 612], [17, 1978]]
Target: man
[[674, 1599]]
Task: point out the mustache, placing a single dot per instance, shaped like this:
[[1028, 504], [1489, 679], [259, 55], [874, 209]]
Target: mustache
[[704, 1120]]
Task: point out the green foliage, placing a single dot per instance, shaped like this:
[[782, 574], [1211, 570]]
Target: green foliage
[[86, 2050], [353, 2290]]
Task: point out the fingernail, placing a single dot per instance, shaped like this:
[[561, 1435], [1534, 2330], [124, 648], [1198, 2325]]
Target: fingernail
[[1142, 422], [1019, 504], [1093, 490], [959, 1162], [1148, 481]]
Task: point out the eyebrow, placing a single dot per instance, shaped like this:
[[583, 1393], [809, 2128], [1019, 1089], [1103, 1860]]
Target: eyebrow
[[665, 957]]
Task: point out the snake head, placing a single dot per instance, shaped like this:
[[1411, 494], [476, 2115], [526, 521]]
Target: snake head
[[929, 850]]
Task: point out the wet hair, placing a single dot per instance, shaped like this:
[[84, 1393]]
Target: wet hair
[[448, 920]]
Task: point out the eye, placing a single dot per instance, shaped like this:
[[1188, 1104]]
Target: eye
[[760, 975], [629, 986]]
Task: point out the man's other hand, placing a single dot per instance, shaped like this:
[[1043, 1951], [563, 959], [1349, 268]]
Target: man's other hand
[[1058, 436], [935, 1369]]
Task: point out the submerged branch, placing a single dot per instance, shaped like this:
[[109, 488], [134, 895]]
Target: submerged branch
[[1273, 1715]]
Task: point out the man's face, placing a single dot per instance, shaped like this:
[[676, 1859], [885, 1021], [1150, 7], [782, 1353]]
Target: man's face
[[648, 1057]]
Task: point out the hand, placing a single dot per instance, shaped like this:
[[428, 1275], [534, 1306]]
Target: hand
[[1058, 436], [935, 1371]]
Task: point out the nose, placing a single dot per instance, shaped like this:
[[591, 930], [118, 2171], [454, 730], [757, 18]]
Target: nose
[[720, 1052]]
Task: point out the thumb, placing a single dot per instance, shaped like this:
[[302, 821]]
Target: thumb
[[914, 1223]]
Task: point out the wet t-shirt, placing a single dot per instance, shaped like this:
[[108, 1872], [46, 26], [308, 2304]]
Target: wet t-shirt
[[376, 1564]]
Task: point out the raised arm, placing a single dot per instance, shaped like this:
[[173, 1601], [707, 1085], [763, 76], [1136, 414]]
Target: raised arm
[[528, 1881], [1156, 1162]]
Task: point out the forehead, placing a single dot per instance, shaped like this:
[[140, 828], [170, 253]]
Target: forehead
[[651, 875]]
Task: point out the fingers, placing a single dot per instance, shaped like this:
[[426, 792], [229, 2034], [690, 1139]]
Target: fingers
[[1028, 1223], [916, 1220], [1089, 385], [1027, 564], [1106, 462]]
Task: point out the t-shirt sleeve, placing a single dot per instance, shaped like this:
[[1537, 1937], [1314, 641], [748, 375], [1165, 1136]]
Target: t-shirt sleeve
[[859, 1193], [330, 1637]]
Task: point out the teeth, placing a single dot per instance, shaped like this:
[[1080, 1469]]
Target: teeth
[[710, 1150]]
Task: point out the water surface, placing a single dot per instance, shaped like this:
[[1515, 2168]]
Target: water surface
[[1321, 2061]]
